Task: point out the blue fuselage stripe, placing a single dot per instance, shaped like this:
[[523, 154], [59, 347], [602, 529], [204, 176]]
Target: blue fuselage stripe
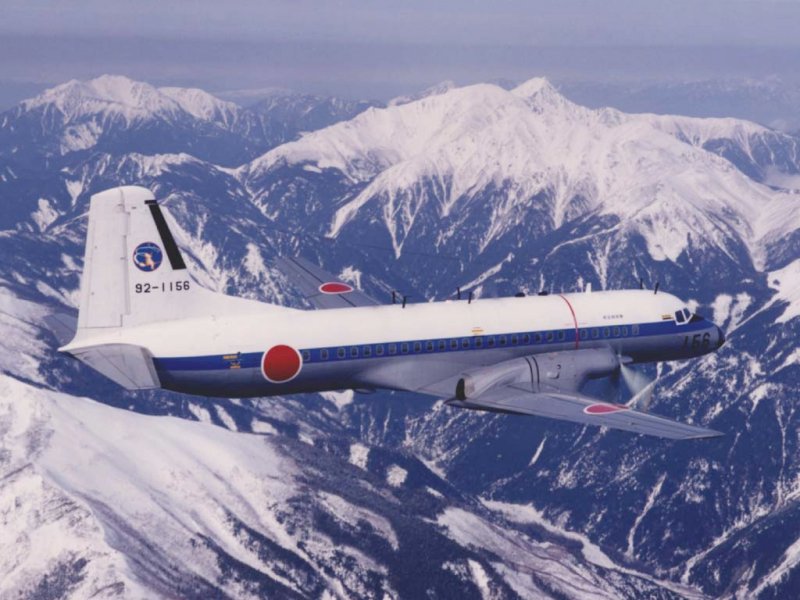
[[352, 352]]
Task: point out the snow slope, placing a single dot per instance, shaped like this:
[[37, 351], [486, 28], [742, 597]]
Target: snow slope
[[393, 486], [650, 172], [102, 502]]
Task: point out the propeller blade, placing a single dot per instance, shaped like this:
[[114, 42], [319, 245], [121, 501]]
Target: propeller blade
[[639, 385], [641, 400], [634, 380]]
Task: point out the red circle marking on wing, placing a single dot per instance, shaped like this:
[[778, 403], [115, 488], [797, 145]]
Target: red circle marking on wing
[[335, 287], [603, 409], [281, 364]]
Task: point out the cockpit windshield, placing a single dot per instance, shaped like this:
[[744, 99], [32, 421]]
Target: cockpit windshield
[[684, 315]]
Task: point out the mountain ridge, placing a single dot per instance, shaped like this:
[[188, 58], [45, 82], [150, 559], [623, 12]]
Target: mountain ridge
[[448, 139], [719, 516]]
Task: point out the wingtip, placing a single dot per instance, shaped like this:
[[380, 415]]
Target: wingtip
[[707, 434]]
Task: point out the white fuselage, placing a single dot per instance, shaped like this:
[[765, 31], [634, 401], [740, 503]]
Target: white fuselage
[[267, 350]]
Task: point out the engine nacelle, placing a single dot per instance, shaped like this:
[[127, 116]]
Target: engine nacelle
[[565, 371]]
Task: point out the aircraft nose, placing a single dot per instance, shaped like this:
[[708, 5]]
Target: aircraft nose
[[720, 337]]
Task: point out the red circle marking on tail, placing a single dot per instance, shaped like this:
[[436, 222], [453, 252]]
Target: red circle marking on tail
[[335, 287], [281, 364]]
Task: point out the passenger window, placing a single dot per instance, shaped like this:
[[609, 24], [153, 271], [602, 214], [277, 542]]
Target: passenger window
[[323, 354], [537, 338], [624, 332], [595, 333], [514, 340], [479, 342], [526, 339], [417, 347], [635, 330], [367, 351], [453, 344], [429, 346], [606, 332], [490, 341], [502, 340], [353, 352], [561, 336], [442, 345], [404, 348], [306, 356], [550, 336], [379, 350], [465, 343], [392, 349], [616, 331], [584, 334], [340, 353]]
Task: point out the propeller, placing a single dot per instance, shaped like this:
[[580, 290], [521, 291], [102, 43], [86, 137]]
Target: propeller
[[639, 385]]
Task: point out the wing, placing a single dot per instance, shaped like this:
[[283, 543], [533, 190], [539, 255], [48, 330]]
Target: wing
[[582, 409], [319, 287]]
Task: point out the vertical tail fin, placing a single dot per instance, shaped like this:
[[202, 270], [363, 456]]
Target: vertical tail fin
[[133, 271], [134, 274]]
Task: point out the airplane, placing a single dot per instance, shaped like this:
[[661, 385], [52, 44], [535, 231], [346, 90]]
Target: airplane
[[145, 323]]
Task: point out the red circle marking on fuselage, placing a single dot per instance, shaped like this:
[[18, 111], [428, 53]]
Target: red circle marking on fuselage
[[335, 287], [281, 364], [603, 409]]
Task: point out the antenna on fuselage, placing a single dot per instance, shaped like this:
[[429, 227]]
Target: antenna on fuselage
[[404, 301], [641, 283], [655, 291], [469, 301], [458, 293], [394, 297]]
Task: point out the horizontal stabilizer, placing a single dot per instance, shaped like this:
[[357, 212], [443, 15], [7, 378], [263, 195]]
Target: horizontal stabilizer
[[582, 409], [62, 325], [128, 365]]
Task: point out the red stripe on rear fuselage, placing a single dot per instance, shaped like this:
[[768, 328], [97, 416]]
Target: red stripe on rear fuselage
[[574, 319]]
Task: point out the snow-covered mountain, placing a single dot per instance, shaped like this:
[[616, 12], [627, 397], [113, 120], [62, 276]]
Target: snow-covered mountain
[[115, 114], [771, 100], [114, 96], [245, 501], [480, 187], [284, 116], [478, 156]]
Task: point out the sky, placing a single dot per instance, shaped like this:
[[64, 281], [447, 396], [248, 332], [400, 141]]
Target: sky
[[378, 49]]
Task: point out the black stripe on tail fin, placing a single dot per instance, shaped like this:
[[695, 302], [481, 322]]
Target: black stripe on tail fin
[[173, 253]]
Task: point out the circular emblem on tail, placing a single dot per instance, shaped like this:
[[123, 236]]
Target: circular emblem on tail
[[281, 364], [147, 256]]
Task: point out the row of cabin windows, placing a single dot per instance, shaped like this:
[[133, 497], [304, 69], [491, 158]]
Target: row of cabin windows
[[477, 342]]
